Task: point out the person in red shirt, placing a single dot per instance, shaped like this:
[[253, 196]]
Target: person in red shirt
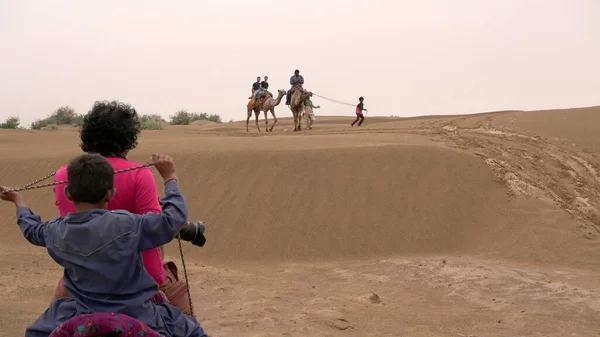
[[359, 109]]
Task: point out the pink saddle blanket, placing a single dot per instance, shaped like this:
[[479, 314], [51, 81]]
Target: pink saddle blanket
[[103, 324]]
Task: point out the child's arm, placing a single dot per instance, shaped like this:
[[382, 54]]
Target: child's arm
[[31, 225], [156, 229]]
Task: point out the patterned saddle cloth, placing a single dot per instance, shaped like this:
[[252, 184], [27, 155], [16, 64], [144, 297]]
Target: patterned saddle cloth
[[103, 324], [260, 102]]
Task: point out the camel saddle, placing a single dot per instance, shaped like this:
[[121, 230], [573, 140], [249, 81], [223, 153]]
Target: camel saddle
[[102, 324], [175, 288], [260, 102]]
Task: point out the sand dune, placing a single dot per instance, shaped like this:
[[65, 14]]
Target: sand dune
[[471, 225]]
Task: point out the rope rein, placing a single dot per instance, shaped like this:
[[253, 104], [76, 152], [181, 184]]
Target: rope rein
[[335, 100], [185, 274], [32, 185]]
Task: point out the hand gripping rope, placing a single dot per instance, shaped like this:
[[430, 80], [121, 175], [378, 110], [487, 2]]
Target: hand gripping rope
[[32, 185]]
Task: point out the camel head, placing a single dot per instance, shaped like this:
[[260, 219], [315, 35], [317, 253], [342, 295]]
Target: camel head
[[303, 94], [306, 94], [281, 92]]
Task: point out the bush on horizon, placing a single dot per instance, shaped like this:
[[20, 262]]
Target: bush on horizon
[[64, 115], [183, 117], [151, 122], [11, 123]]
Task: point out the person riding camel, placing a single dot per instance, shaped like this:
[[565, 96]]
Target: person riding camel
[[112, 129], [296, 81], [100, 250], [256, 90], [264, 86]]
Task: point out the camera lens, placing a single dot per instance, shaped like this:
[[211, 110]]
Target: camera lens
[[194, 233]]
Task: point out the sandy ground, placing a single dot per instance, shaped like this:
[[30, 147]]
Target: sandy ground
[[474, 225]]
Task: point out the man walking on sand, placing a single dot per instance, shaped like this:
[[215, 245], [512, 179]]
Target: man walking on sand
[[359, 109], [308, 112]]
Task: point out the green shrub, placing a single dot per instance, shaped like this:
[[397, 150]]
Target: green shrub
[[183, 117], [10, 123], [64, 115], [52, 127], [151, 122]]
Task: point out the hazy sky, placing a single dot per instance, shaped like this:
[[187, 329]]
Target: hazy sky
[[405, 57]]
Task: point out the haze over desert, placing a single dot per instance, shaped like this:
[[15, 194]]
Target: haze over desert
[[471, 225]]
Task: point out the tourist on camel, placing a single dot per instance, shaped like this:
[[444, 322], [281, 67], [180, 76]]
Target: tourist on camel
[[256, 90], [100, 250], [111, 129], [296, 81], [264, 86]]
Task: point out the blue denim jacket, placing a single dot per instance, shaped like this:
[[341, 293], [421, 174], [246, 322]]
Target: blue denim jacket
[[100, 251]]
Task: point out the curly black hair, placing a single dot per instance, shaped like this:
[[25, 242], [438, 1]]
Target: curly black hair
[[110, 128]]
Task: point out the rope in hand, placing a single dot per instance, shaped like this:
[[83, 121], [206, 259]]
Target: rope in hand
[[31, 185]]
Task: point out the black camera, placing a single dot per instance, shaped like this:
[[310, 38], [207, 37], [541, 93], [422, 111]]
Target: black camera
[[194, 233]]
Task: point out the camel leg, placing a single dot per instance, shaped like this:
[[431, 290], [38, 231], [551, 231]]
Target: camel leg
[[256, 114], [274, 119], [248, 119], [266, 121], [295, 121]]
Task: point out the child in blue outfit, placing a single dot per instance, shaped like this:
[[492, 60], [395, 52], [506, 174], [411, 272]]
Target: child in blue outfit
[[100, 249]]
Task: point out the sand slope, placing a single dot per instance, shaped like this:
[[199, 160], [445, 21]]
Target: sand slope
[[483, 225]]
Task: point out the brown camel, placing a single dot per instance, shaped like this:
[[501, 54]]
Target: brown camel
[[267, 104], [297, 106]]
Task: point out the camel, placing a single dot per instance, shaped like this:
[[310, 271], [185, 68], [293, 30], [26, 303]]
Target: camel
[[267, 104], [297, 106]]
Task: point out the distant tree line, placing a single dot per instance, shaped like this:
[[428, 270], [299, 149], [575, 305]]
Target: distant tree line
[[65, 115]]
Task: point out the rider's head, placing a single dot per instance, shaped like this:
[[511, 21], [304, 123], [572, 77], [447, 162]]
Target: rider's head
[[110, 128], [258, 79], [361, 98], [296, 72], [90, 180], [266, 78]]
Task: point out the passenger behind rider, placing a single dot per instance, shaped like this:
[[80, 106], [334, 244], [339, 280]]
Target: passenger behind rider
[[296, 81], [100, 250], [264, 85]]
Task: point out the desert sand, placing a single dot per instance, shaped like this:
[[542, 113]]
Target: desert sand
[[473, 225]]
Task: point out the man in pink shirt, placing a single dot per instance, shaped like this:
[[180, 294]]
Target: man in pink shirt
[[111, 129]]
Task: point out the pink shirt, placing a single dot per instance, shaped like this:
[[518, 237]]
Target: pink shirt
[[135, 192]]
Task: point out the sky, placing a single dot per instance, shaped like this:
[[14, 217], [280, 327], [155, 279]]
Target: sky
[[406, 58]]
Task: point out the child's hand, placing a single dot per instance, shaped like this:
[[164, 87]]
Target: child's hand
[[165, 166], [9, 196]]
